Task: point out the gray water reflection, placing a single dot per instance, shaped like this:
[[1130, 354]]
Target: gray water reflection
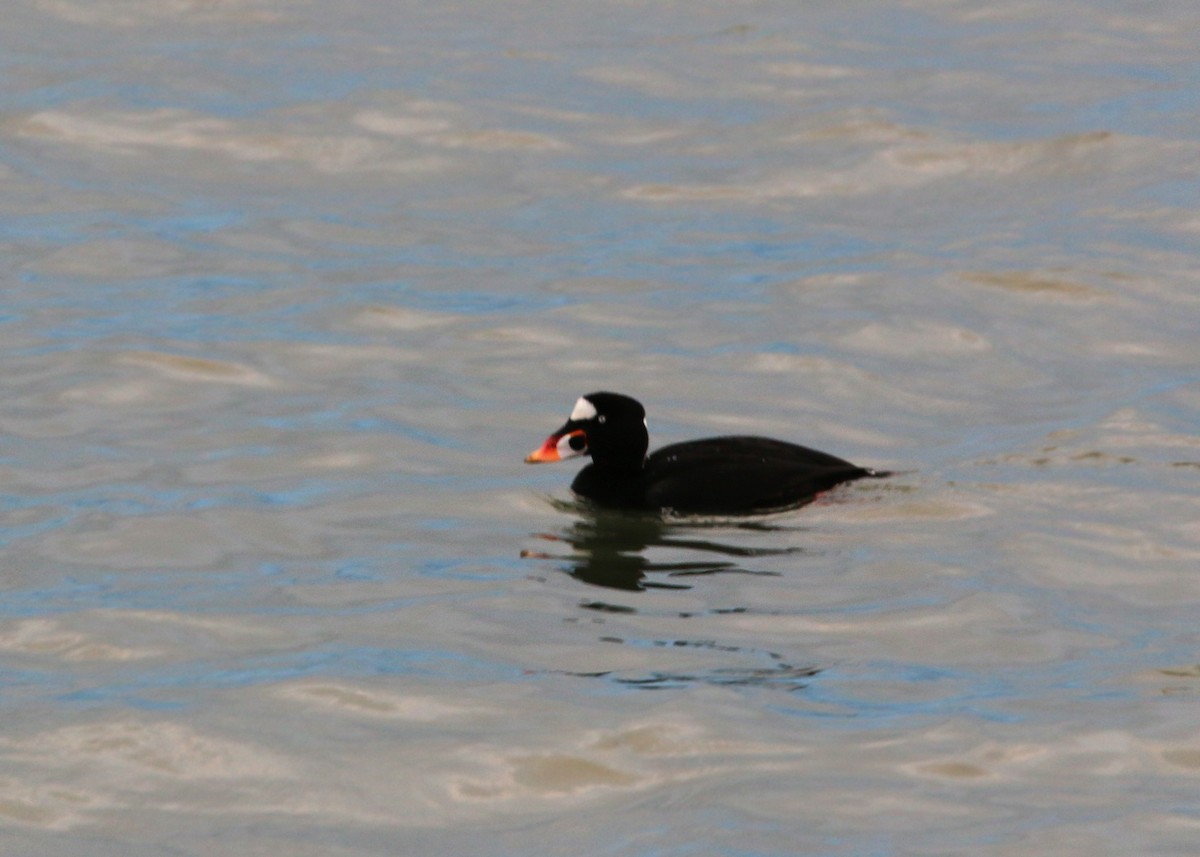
[[613, 549], [620, 551]]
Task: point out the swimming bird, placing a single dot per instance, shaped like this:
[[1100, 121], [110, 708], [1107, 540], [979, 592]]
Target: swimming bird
[[735, 474]]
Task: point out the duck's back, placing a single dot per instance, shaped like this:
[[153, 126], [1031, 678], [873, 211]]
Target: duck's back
[[740, 474]]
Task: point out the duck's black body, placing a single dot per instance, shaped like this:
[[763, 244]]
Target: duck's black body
[[720, 475]]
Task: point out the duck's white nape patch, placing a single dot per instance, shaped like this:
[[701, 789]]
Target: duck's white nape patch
[[584, 410]]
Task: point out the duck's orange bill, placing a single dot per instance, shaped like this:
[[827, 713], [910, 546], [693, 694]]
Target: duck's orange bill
[[548, 451]]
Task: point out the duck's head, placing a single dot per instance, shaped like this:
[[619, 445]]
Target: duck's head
[[609, 427]]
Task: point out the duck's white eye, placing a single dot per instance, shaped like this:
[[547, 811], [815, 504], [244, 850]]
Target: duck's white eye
[[601, 418], [584, 410]]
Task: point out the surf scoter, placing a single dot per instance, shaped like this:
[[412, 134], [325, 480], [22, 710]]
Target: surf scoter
[[719, 475]]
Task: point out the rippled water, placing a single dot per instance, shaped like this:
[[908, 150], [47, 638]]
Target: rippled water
[[291, 288]]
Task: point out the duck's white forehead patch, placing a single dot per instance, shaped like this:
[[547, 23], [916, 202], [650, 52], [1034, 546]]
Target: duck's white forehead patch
[[584, 410]]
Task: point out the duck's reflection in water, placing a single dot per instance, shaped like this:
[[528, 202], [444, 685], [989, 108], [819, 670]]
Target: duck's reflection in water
[[617, 550], [614, 549]]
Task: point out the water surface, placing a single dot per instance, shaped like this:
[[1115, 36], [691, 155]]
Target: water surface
[[289, 290]]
